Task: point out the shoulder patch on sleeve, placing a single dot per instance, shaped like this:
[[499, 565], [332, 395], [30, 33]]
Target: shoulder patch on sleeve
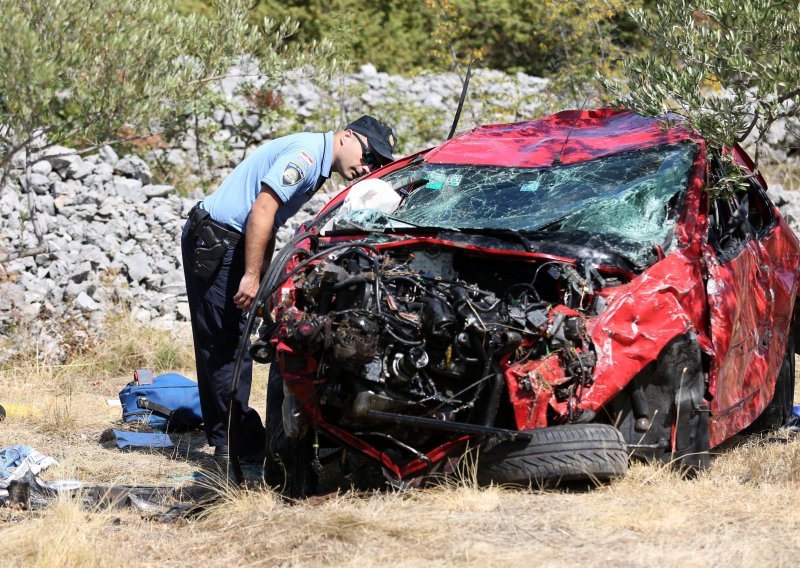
[[293, 174]]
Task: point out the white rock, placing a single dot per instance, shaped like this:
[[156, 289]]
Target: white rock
[[108, 155], [78, 169], [39, 183], [81, 272], [133, 167], [151, 191], [104, 172], [42, 167], [183, 310], [138, 267], [86, 303], [62, 203], [60, 157], [141, 315], [129, 189]]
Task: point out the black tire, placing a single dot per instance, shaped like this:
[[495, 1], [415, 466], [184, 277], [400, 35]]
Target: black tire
[[573, 452], [672, 398], [288, 467], [779, 409]]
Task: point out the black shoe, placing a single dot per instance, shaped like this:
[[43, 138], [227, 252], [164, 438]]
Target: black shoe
[[221, 453]]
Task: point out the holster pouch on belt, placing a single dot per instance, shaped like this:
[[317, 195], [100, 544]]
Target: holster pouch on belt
[[209, 247], [207, 260]]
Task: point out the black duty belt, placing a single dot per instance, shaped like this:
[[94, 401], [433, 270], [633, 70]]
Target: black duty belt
[[203, 224]]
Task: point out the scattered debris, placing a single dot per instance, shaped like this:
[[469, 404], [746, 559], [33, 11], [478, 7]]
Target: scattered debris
[[16, 411], [142, 439], [19, 486], [793, 423], [17, 461]]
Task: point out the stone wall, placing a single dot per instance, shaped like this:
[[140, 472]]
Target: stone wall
[[114, 235], [114, 244]]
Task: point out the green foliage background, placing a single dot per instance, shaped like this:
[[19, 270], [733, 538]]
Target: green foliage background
[[406, 36]]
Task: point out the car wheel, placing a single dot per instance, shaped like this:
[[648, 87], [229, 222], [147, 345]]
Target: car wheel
[[779, 409], [573, 452], [670, 421], [288, 467]]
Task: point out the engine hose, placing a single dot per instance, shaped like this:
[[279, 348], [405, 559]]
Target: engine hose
[[493, 402], [410, 342], [266, 289], [233, 410], [277, 266], [485, 358], [461, 355], [372, 260], [377, 292]]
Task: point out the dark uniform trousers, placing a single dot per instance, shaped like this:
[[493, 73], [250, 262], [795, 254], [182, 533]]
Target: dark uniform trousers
[[217, 325]]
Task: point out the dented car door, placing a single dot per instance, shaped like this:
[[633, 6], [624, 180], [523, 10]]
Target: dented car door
[[739, 301]]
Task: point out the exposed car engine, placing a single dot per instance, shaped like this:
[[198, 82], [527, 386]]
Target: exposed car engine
[[429, 333]]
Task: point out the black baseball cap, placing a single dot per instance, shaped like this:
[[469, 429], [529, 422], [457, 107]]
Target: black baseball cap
[[380, 137]]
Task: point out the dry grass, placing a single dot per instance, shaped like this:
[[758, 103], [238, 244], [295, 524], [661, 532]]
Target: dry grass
[[742, 511], [785, 173]]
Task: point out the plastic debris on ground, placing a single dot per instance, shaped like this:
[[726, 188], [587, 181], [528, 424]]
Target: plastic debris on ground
[[19, 462], [793, 423], [19, 484]]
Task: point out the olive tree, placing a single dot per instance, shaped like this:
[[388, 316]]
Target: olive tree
[[728, 68], [93, 72]]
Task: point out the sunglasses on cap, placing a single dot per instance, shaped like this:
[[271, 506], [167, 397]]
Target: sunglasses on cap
[[366, 154]]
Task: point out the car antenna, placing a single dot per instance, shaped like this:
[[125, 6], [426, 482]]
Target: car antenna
[[461, 100], [557, 159]]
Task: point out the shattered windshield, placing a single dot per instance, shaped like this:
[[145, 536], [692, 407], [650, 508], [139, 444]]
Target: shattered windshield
[[622, 202]]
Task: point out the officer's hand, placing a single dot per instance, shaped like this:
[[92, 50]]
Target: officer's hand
[[248, 288]]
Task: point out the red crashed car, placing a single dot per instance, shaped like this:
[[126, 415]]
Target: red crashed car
[[559, 294]]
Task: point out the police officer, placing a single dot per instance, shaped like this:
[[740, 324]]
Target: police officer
[[228, 242]]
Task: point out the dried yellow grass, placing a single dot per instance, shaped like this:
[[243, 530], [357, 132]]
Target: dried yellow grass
[[743, 511], [785, 173]]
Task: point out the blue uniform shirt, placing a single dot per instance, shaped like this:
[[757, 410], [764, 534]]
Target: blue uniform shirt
[[293, 166]]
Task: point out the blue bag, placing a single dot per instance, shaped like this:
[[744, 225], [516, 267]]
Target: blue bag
[[170, 403]]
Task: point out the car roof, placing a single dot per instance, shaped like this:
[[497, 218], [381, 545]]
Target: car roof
[[567, 137]]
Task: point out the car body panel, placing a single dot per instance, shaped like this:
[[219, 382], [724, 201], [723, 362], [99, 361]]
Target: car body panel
[[751, 301], [567, 137]]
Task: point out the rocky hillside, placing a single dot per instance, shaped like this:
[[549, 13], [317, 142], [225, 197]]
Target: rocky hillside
[[114, 235]]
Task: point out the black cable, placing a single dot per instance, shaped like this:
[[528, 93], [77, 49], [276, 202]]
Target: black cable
[[234, 462], [410, 342], [274, 268]]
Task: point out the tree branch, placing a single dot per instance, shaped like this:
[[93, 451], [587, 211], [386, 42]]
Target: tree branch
[[9, 256], [749, 128], [789, 95], [37, 230], [782, 99]]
